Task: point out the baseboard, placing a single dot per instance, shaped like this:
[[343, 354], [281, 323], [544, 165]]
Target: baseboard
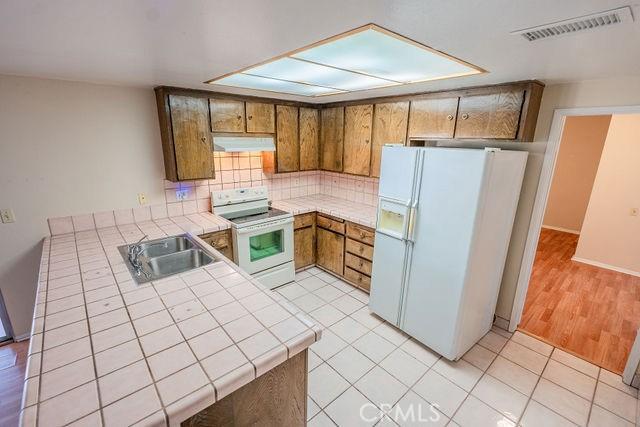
[[22, 337], [606, 266], [564, 230]]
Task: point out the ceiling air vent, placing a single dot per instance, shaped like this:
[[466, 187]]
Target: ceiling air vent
[[574, 25]]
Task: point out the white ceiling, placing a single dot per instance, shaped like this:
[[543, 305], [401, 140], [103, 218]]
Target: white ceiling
[[183, 43]]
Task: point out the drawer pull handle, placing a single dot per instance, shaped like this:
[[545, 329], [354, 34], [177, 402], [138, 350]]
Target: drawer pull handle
[[450, 117], [465, 116]]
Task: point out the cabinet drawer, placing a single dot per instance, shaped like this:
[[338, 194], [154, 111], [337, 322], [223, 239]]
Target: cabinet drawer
[[304, 220], [361, 233], [357, 278], [332, 224], [358, 264], [360, 249]]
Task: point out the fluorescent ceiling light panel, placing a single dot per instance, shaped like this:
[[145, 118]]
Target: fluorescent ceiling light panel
[[365, 58]]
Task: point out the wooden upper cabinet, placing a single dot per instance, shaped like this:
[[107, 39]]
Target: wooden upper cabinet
[[260, 117], [389, 127], [332, 139], [432, 118], [191, 137], [287, 158], [309, 139], [495, 115], [227, 115], [357, 139]]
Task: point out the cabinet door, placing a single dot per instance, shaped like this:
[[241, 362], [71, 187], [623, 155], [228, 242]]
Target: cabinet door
[[433, 118], [332, 139], [309, 143], [304, 247], [494, 116], [287, 139], [330, 250], [227, 115], [389, 127], [191, 137], [222, 241], [260, 117], [357, 139]]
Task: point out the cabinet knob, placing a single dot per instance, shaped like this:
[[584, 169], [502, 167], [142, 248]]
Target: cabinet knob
[[239, 117], [465, 116], [204, 139], [250, 117], [450, 117], [366, 141]]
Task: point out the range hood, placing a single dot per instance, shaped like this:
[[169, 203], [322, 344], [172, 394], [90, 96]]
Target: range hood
[[234, 144]]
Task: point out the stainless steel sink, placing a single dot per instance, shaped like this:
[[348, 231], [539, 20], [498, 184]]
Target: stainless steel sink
[[165, 257], [178, 262]]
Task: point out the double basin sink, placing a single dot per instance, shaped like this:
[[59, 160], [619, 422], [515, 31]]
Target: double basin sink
[[165, 257]]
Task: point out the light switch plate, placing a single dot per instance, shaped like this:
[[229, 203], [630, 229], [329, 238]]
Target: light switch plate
[[142, 199], [7, 216]]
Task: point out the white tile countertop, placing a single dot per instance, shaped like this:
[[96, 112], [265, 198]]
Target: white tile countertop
[[351, 211], [105, 350]]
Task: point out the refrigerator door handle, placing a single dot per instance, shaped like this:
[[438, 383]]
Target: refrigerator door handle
[[411, 223]]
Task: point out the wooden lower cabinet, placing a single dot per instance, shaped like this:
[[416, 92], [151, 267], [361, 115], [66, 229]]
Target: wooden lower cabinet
[[222, 241], [341, 247], [304, 240], [276, 398], [330, 250]]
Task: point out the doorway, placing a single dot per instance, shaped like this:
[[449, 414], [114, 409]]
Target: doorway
[[579, 286], [5, 329]]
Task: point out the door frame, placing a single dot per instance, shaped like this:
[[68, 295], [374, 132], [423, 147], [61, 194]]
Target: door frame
[[4, 321], [542, 195]]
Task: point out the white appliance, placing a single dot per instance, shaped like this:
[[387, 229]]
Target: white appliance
[[443, 228], [235, 144], [262, 236]]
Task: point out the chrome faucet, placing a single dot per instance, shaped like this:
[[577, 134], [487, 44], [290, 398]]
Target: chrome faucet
[[135, 251]]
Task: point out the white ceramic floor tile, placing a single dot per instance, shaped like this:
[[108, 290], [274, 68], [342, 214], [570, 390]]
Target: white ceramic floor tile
[[381, 387], [351, 364], [291, 291], [328, 293], [308, 302], [348, 329], [493, 341], [562, 401], [615, 381], [575, 363], [327, 315], [501, 397], [325, 384], [392, 334], [321, 420], [412, 410], [461, 372], [616, 401], [601, 417], [513, 375], [312, 408], [352, 408], [537, 415], [474, 413], [365, 317], [524, 357], [313, 360], [436, 389], [479, 357], [312, 283], [404, 367], [347, 304], [420, 352], [373, 346], [328, 345], [574, 381], [532, 343]]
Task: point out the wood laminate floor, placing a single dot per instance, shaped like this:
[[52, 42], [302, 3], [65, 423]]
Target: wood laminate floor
[[591, 312], [13, 362]]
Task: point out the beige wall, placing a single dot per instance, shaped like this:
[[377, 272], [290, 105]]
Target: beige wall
[[611, 235], [580, 149], [67, 148], [589, 93]]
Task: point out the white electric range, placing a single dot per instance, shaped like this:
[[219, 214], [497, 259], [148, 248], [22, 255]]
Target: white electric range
[[262, 236]]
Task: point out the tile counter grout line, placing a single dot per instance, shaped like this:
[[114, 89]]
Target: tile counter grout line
[[155, 387]]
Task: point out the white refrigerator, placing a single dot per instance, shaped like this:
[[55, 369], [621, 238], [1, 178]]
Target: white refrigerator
[[443, 228]]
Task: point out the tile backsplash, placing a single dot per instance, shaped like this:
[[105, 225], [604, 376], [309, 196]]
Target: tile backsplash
[[237, 170], [233, 170]]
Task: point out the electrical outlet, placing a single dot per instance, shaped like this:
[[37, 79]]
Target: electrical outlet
[[182, 194], [7, 216], [634, 212], [142, 199]]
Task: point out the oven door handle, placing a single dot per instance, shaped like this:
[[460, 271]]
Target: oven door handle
[[266, 226]]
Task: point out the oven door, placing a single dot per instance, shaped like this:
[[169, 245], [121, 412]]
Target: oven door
[[263, 246]]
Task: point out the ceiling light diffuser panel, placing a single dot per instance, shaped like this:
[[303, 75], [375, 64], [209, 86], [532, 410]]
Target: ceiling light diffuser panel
[[365, 58]]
